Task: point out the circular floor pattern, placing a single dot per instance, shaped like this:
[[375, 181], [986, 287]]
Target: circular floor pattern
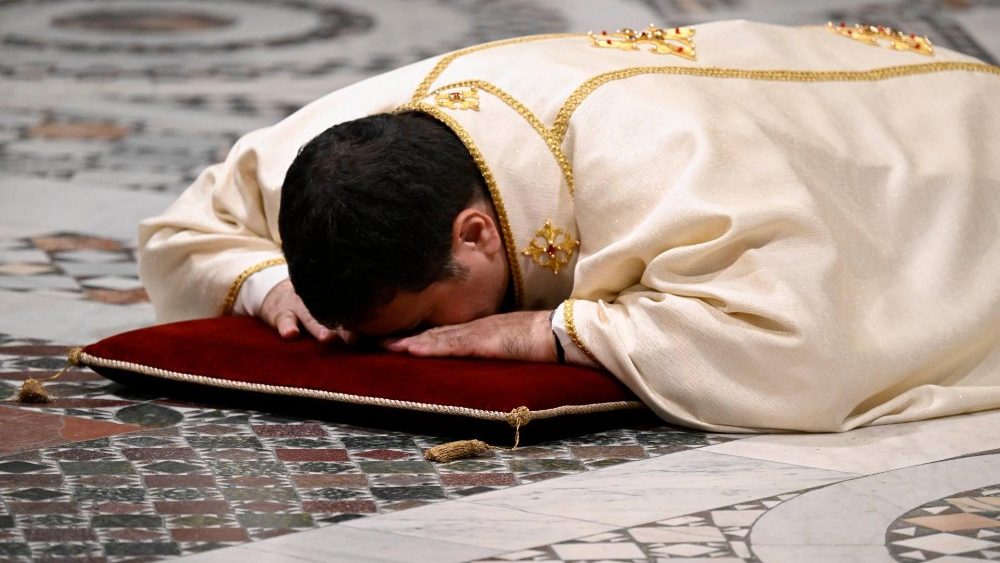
[[965, 525], [141, 20], [172, 26], [858, 519], [244, 39]]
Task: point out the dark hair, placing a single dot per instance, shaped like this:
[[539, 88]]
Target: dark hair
[[367, 209]]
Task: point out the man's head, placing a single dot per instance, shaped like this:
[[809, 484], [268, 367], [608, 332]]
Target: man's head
[[387, 226]]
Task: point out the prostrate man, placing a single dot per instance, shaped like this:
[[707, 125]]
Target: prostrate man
[[754, 227]]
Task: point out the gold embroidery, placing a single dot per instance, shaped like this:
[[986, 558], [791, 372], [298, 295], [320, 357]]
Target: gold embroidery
[[677, 41], [445, 61], [95, 361], [875, 35], [551, 248], [561, 123], [234, 288], [467, 99], [550, 140], [570, 323], [477, 156]]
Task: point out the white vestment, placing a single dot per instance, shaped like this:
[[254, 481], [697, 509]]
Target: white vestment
[[793, 231]]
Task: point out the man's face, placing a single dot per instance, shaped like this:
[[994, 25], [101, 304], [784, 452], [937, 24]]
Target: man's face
[[449, 302]]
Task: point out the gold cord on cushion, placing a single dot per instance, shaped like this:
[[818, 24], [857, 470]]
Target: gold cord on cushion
[[32, 390], [461, 449], [234, 288]]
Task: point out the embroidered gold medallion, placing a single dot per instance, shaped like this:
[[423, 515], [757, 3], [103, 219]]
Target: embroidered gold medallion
[[459, 99], [881, 35], [551, 248], [677, 41]]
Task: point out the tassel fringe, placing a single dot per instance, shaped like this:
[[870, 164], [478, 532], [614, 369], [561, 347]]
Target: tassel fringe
[[33, 392], [463, 449]]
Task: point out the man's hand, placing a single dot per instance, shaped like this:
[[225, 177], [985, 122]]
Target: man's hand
[[510, 336], [283, 309]]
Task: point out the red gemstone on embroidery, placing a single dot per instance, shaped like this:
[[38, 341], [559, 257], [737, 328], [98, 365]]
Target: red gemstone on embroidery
[[604, 32], [680, 49], [609, 41], [551, 250], [842, 24], [917, 46], [677, 30]]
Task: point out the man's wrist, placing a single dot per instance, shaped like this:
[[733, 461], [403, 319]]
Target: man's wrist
[[255, 290]]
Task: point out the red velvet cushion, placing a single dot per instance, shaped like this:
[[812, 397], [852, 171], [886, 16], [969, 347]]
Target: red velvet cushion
[[243, 353]]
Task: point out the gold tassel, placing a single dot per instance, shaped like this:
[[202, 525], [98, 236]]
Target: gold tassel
[[461, 449], [456, 450], [32, 390]]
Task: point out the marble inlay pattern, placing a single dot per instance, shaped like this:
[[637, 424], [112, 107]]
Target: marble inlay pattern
[[71, 266], [965, 524], [712, 535]]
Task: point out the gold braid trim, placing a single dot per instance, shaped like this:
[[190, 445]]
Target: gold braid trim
[[91, 360], [571, 330], [446, 60], [234, 288], [477, 156], [561, 124], [553, 143]]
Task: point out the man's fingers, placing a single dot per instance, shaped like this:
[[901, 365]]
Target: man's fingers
[[318, 331], [287, 324], [436, 342]]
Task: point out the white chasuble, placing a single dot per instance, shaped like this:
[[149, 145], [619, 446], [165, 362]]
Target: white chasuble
[[772, 229]]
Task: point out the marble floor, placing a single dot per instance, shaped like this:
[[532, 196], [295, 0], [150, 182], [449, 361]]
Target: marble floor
[[109, 108]]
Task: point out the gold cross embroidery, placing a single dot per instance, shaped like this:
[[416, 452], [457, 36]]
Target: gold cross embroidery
[[876, 34], [551, 248], [677, 41], [459, 99]]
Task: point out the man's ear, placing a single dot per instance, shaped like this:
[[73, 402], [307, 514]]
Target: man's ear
[[474, 229]]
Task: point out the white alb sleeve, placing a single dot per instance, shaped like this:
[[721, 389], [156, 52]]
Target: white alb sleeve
[[573, 354], [255, 289]]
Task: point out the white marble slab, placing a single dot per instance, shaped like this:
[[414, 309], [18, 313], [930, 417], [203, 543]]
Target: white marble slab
[[46, 206], [658, 488], [61, 320], [482, 525], [339, 544], [848, 521], [876, 448]]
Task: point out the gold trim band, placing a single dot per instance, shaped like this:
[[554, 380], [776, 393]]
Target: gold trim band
[[234, 288], [550, 140], [571, 330], [90, 360], [561, 124], [446, 60], [477, 156]]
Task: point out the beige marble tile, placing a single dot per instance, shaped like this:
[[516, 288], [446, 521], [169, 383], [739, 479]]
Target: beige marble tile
[[877, 448]]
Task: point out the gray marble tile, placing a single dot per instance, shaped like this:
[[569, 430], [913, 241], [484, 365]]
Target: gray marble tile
[[45, 281]]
